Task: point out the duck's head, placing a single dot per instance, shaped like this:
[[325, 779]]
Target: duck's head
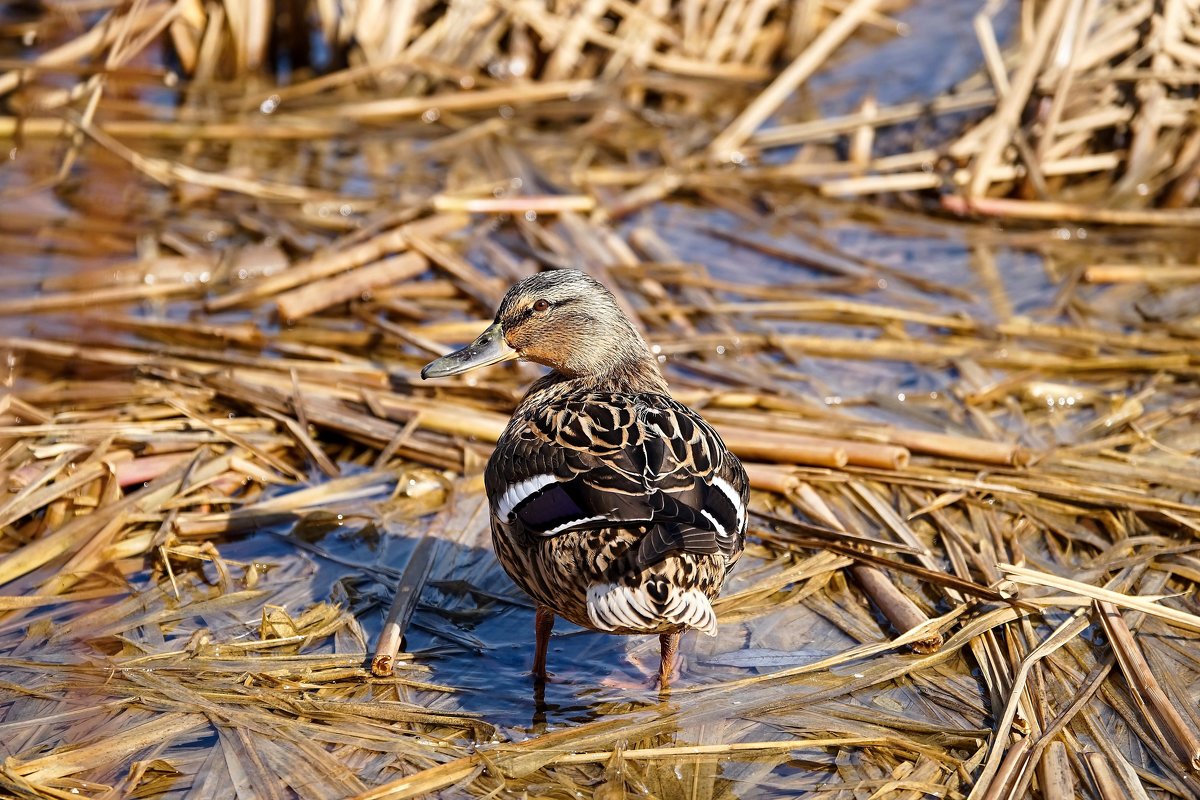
[[562, 318]]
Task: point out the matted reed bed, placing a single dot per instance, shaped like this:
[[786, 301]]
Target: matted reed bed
[[972, 562]]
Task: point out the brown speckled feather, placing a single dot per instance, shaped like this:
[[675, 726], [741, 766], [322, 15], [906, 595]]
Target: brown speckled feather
[[620, 511]]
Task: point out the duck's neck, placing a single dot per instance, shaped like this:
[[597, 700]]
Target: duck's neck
[[627, 376]]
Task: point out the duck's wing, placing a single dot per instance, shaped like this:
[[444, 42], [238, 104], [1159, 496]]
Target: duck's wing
[[603, 460]]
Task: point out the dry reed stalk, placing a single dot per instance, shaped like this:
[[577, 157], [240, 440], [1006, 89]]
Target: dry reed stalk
[[93, 40], [936, 626], [1059, 109], [1153, 702], [170, 173], [890, 445], [687, 751], [1003, 126], [374, 110], [1031, 577], [445, 418], [878, 184], [244, 334], [404, 603], [772, 477], [37, 494], [180, 130], [1054, 773], [352, 284], [19, 603], [299, 430], [1070, 212], [736, 428], [1141, 273], [748, 121], [113, 750], [1010, 773], [429, 780], [514, 205], [1107, 784], [1120, 341], [476, 285], [15, 406], [830, 127], [1050, 167], [334, 263], [72, 534], [1004, 765], [893, 603], [238, 439], [778, 447], [881, 456], [843, 310], [959, 447], [80, 300]]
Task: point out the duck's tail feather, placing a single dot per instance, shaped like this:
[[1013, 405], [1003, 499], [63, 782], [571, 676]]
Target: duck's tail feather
[[650, 607]]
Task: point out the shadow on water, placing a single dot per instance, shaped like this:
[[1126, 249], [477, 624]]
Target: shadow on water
[[474, 628]]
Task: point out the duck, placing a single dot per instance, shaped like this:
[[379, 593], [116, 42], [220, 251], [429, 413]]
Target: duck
[[612, 505]]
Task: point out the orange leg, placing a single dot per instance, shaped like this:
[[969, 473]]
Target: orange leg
[[543, 624], [669, 644]]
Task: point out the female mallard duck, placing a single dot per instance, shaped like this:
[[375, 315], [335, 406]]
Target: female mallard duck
[[612, 505]]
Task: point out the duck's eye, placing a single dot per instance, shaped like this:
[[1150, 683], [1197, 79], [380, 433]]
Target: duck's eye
[[541, 305]]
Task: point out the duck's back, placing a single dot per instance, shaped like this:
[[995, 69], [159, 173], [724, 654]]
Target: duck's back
[[621, 511]]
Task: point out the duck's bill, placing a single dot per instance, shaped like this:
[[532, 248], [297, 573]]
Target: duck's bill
[[489, 348]]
